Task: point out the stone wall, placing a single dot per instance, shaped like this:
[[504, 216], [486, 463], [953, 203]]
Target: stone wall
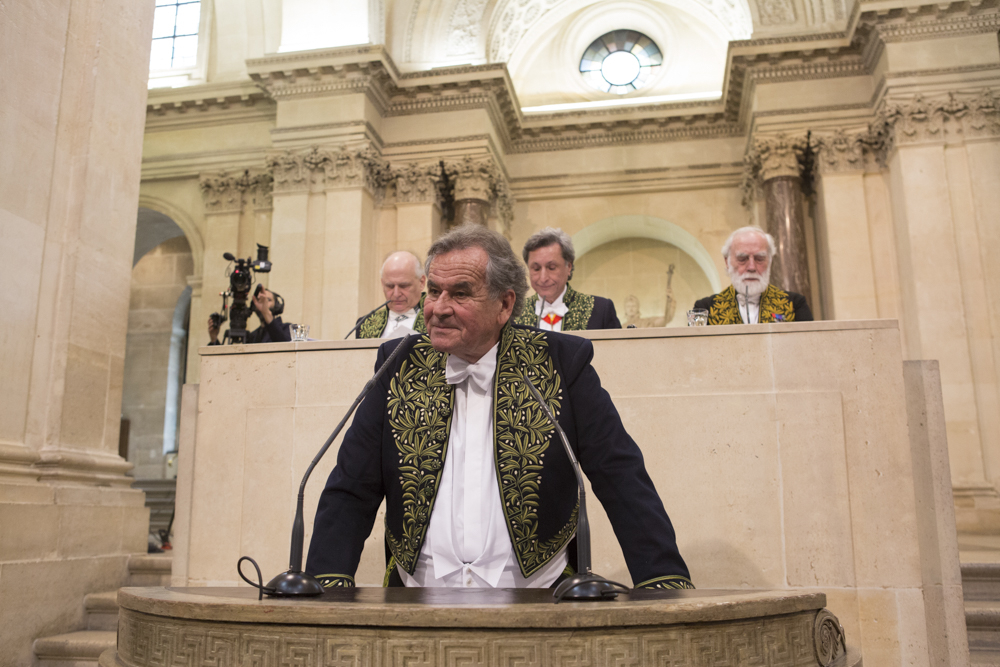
[[158, 280]]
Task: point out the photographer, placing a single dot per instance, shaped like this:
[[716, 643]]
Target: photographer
[[271, 330]]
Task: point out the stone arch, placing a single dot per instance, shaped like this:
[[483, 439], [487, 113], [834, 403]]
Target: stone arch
[[649, 227], [183, 221]]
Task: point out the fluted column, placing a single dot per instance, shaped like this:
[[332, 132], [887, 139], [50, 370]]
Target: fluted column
[[776, 163]]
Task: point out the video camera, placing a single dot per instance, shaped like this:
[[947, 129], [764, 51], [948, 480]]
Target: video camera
[[241, 280]]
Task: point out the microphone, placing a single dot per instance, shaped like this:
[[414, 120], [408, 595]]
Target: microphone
[[747, 297], [365, 317], [295, 582], [585, 585]]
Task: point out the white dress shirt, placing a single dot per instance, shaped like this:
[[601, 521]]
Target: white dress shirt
[[753, 311], [557, 307], [396, 320], [467, 543]]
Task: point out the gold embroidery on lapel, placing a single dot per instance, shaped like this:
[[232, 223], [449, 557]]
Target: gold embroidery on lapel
[[528, 316], [523, 434], [374, 324], [420, 405], [774, 302], [775, 306], [418, 324], [581, 307], [724, 309]]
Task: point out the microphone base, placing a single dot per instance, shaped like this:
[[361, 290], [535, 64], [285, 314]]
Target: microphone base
[[293, 584], [588, 587]]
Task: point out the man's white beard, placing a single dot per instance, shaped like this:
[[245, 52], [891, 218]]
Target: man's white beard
[[752, 287]]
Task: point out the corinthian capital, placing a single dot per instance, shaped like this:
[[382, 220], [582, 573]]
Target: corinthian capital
[[417, 183], [223, 192], [777, 155], [325, 168], [482, 179], [948, 117], [843, 151]]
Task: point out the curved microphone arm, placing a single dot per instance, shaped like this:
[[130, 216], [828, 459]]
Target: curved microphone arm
[[295, 582], [584, 585]]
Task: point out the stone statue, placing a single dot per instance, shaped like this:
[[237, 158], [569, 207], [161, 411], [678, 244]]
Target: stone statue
[[632, 317]]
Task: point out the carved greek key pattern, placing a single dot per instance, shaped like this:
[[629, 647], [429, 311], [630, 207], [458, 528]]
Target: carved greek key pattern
[[789, 640]]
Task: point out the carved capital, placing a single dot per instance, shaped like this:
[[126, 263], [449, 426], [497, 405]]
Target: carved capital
[[848, 151], [223, 192], [329, 168], [417, 183], [480, 178], [770, 157], [953, 116]]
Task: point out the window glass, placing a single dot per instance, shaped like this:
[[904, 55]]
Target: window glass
[[175, 35], [620, 61]]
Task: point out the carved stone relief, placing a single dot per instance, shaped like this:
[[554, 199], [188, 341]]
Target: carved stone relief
[[949, 117], [805, 639], [770, 157], [329, 168], [223, 192], [776, 12], [465, 27], [417, 182], [481, 179]]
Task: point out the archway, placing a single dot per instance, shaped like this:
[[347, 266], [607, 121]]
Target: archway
[[636, 261]]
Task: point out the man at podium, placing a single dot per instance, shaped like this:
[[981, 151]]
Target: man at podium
[[478, 490]]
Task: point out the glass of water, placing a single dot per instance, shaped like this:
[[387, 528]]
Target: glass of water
[[300, 332], [697, 317]]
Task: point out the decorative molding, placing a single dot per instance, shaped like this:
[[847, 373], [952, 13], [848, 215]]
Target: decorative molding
[[226, 193], [840, 151], [776, 12], [329, 168], [954, 116], [950, 19], [770, 157], [480, 178], [801, 639], [417, 183]]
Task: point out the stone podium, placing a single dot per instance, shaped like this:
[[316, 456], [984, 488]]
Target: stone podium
[[372, 627], [798, 457]]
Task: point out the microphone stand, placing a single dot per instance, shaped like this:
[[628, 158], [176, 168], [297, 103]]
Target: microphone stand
[[585, 585], [365, 317], [295, 582]]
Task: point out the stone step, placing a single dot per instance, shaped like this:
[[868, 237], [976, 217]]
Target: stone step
[[150, 569], [74, 649], [102, 610], [982, 621], [981, 581]]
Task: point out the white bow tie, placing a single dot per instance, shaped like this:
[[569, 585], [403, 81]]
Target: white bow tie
[[480, 372]]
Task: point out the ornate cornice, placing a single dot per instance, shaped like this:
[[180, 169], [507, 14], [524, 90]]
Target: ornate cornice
[[223, 192], [329, 168], [920, 22]]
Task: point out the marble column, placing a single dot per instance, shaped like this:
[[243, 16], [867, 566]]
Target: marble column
[[781, 183]]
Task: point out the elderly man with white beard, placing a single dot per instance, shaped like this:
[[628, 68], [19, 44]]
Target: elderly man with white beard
[[751, 299]]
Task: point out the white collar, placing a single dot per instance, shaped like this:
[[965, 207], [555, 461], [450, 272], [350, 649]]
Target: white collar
[[556, 305], [481, 372], [406, 314]]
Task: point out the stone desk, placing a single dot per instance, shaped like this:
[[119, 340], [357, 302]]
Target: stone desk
[[389, 627], [803, 457]]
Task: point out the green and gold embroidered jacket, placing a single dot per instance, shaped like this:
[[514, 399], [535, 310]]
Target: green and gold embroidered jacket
[[374, 324], [585, 312], [398, 442], [776, 305]]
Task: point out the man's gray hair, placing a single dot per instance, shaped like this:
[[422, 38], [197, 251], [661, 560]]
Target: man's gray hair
[[771, 249], [547, 237], [503, 270]]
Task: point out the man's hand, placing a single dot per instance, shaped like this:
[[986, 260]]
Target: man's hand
[[213, 330], [262, 305]]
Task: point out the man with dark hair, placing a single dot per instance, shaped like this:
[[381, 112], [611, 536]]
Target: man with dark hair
[[267, 306], [556, 306], [478, 490], [752, 299]]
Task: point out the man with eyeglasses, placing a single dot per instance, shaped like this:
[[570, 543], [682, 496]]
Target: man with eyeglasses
[[751, 299]]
